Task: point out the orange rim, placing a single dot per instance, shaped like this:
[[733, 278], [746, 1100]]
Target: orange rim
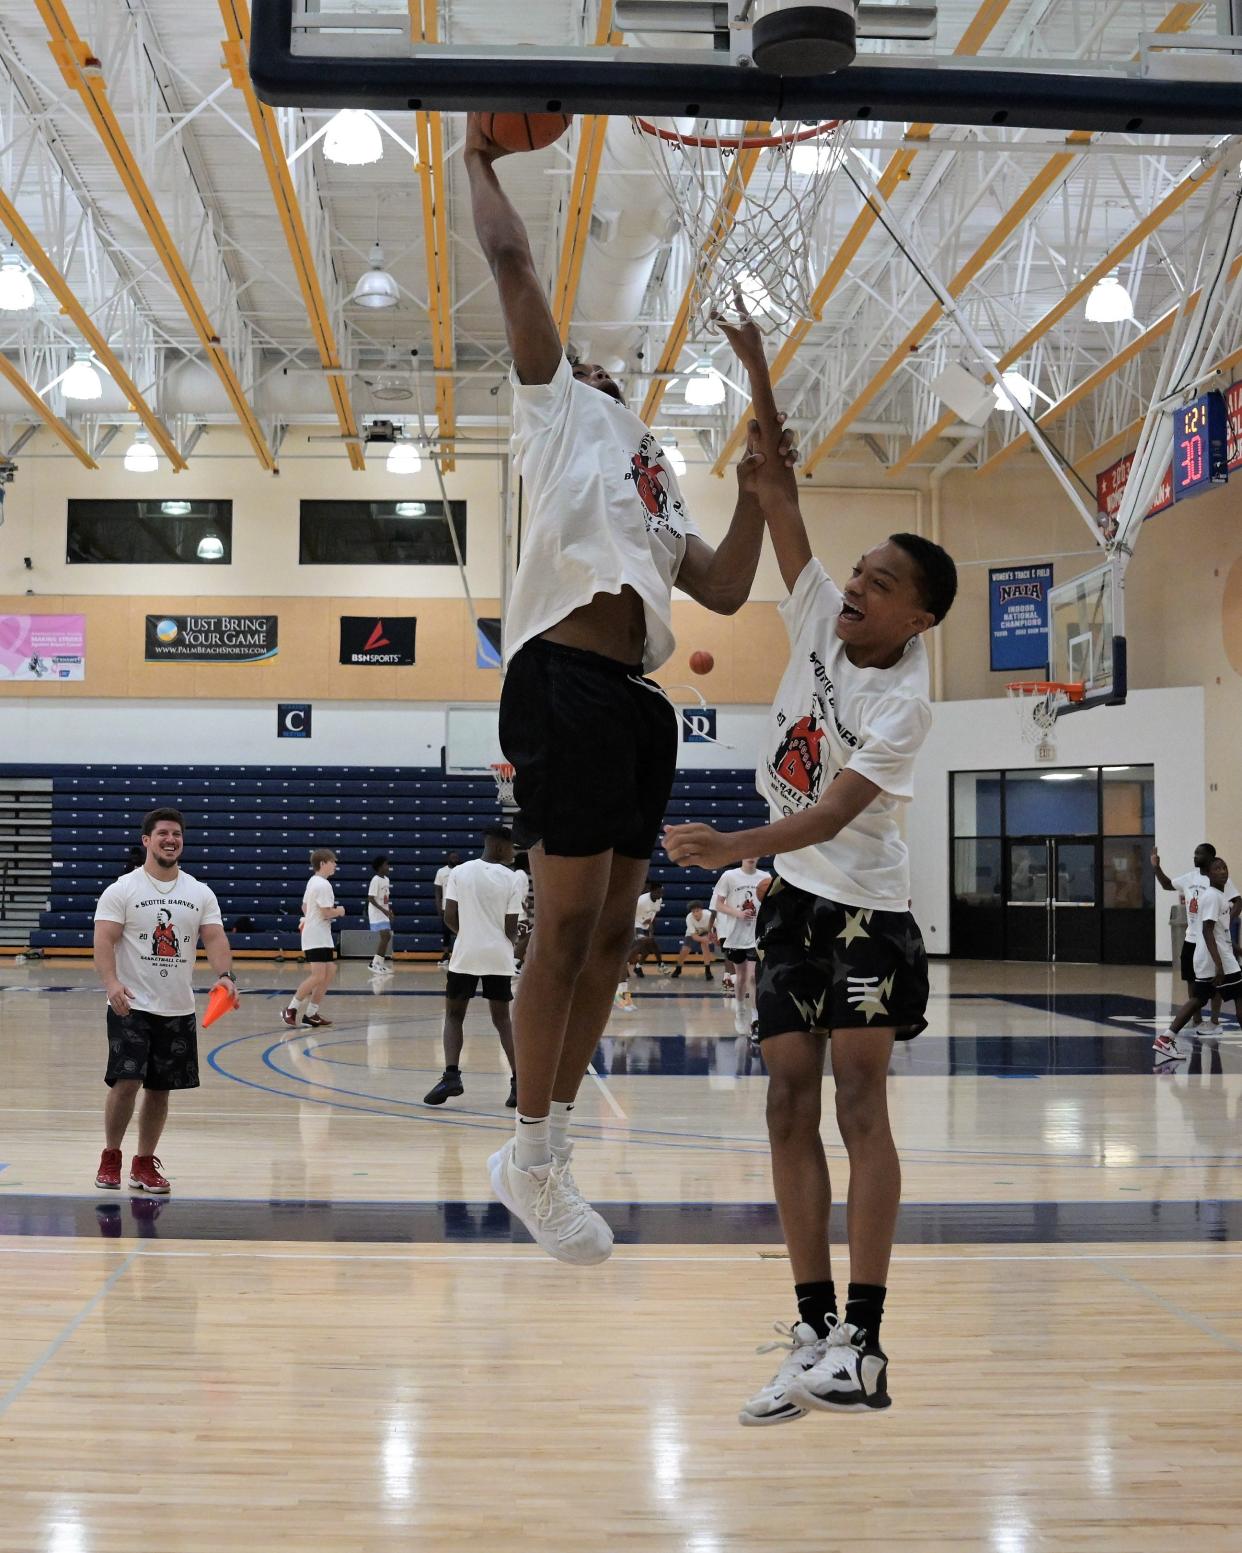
[[1043, 687], [738, 142]]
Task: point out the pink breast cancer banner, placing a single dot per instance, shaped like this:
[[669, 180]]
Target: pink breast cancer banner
[[42, 647]]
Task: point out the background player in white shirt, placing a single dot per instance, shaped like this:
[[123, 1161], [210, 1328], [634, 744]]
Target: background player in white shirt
[[379, 913], [451, 860], [148, 925], [840, 955], [1191, 887], [319, 911], [593, 742], [1217, 974], [482, 905], [735, 900], [646, 910], [700, 936]]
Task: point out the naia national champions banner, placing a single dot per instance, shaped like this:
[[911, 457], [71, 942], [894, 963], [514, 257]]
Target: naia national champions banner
[[42, 647]]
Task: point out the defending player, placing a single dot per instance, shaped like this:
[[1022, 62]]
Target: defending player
[[319, 911], [380, 914], [735, 900], [593, 741], [699, 938], [147, 927], [840, 955]]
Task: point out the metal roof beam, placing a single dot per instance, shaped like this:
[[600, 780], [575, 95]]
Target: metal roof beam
[[433, 183], [83, 72], [283, 181]]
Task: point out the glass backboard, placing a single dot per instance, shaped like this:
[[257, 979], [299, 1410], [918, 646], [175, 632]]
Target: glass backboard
[[1086, 640]]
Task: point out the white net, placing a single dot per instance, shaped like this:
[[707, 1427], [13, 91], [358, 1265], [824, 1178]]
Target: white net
[[503, 773], [748, 197], [1038, 705]]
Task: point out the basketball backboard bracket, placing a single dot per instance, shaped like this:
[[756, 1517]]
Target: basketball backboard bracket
[[318, 59]]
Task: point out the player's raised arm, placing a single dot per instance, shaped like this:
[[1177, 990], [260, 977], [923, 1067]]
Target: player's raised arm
[[531, 331], [721, 579], [776, 483]]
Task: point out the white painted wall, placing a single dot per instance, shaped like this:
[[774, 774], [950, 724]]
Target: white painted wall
[[1161, 728], [344, 733]]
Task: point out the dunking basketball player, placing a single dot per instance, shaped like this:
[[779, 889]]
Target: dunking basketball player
[[593, 741], [840, 956]]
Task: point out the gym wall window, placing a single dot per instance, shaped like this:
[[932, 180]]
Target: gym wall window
[[380, 533], [170, 531]]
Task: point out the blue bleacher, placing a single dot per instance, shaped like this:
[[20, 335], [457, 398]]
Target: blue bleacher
[[250, 828]]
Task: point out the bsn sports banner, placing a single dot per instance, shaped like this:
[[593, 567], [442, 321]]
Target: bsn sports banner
[[369, 639]]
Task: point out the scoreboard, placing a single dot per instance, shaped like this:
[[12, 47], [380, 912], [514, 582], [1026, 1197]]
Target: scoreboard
[[1200, 446]]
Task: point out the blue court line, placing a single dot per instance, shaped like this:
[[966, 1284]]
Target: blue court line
[[58, 1342], [634, 1223], [650, 1137]]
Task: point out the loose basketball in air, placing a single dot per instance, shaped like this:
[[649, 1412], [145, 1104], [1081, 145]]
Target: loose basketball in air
[[524, 131], [702, 662]]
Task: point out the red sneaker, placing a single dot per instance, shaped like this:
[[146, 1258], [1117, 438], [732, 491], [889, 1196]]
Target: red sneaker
[[316, 1021], [289, 1016], [109, 1175], [144, 1176]]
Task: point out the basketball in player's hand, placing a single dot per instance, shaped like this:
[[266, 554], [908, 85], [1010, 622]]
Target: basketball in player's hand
[[523, 131], [702, 662]]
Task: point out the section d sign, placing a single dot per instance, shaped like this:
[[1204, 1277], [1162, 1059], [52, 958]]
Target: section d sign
[[210, 638], [368, 639], [293, 720], [698, 725]]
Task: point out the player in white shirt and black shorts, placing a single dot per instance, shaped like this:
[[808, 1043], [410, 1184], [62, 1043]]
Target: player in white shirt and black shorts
[[1192, 886], [451, 861], [592, 738], [482, 905], [1217, 974], [646, 910], [842, 965], [699, 938], [319, 911], [736, 899], [148, 924], [379, 914]]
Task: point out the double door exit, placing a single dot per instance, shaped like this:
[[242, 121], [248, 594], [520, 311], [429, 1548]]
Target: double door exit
[[1052, 898]]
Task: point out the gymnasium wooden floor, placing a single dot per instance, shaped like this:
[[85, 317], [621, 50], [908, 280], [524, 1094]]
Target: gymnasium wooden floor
[[329, 1338]]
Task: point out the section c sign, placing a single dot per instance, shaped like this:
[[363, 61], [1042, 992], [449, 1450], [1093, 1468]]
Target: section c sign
[[293, 720]]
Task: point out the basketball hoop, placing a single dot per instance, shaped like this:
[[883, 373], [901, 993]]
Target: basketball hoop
[[1039, 703], [503, 773], [747, 197]]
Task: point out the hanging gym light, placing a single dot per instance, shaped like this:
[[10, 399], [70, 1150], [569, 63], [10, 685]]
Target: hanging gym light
[[1109, 302], [705, 386], [376, 288], [82, 381], [17, 294], [352, 139], [140, 456]]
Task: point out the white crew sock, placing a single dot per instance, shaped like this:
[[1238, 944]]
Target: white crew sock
[[311, 1010], [532, 1146], [295, 1007], [558, 1128]]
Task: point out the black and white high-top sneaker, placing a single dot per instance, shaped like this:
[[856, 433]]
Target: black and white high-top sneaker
[[851, 1374], [773, 1403]]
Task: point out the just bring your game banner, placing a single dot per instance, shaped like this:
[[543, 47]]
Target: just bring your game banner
[[386, 641]]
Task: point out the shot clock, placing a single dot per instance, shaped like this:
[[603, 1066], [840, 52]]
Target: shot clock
[[1200, 446]]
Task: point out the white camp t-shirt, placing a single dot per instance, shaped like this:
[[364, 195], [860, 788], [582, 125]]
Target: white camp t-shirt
[[318, 898], [739, 889], [1192, 886], [442, 879], [155, 957], [605, 511], [1214, 917], [524, 878], [830, 716], [698, 923], [486, 893], [646, 911], [379, 889]]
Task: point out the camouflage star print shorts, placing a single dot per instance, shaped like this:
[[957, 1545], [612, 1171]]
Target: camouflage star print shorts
[[823, 966]]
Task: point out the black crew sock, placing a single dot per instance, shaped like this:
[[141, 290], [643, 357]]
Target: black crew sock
[[815, 1301], [451, 1067], [864, 1307]]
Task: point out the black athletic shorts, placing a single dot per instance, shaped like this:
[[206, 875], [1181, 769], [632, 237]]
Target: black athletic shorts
[[824, 966], [318, 956], [1229, 990], [1188, 964], [740, 956], [594, 746], [461, 988], [159, 1049]]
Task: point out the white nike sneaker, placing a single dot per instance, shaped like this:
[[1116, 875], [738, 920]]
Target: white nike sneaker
[[848, 1376], [547, 1201], [774, 1403], [1166, 1044]]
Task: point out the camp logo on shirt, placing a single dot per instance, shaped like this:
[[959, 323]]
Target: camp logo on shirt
[[162, 945], [650, 477], [796, 771]]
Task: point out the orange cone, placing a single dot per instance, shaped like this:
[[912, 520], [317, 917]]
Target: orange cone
[[222, 1001]]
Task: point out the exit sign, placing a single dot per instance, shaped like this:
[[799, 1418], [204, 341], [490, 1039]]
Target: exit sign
[[1200, 446]]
